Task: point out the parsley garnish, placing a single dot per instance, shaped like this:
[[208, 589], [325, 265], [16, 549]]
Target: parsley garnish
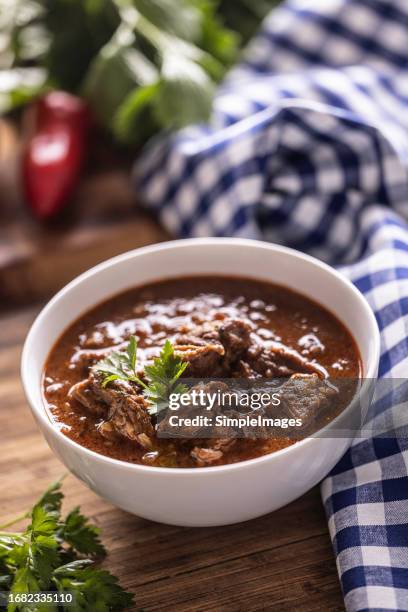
[[120, 365], [161, 376], [53, 554], [93, 588]]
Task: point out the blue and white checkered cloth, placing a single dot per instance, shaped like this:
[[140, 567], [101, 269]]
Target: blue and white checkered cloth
[[308, 146]]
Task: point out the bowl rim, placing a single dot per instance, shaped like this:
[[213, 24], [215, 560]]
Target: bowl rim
[[39, 412]]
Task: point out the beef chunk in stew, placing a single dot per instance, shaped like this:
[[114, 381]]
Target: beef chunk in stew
[[213, 451], [235, 336], [213, 350], [304, 396], [273, 361], [124, 410], [203, 356]]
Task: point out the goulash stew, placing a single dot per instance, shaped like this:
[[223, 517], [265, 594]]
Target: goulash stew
[[222, 328]]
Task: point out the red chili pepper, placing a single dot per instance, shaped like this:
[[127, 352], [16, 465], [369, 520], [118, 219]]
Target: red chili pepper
[[55, 152]]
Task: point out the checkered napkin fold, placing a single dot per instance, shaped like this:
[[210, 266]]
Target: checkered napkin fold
[[308, 146]]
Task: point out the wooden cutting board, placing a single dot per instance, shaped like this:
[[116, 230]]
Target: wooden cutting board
[[281, 562], [102, 219]]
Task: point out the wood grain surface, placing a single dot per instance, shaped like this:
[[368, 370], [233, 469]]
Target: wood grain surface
[[101, 219], [283, 561], [35, 264]]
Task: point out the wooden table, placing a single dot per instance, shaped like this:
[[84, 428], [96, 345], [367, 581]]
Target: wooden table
[[283, 561]]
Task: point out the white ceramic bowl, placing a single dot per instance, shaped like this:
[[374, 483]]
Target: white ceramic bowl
[[214, 495]]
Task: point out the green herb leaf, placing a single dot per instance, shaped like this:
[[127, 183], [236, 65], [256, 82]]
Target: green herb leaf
[[35, 555], [186, 93], [34, 560], [167, 368], [93, 588], [133, 122], [25, 582], [76, 31], [179, 17], [219, 42], [131, 352], [51, 500], [82, 536], [120, 365], [162, 376], [117, 72]]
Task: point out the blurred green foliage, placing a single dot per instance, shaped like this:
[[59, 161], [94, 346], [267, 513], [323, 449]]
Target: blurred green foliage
[[143, 65]]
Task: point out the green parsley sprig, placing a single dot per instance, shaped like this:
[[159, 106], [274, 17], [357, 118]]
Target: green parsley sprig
[[55, 554], [120, 365], [161, 376]]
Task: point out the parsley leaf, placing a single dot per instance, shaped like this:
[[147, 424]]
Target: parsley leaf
[[34, 560], [161, 376], [120, 365], [42, 546], [34, 554], [25, 581], [51, 499], [81, 535], [93, 589]]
